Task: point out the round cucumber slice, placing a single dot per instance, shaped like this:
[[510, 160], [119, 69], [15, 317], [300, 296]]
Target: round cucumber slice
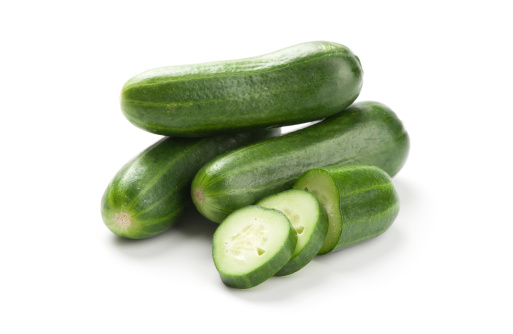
[[308, 219], [251, 245], [361, 202]]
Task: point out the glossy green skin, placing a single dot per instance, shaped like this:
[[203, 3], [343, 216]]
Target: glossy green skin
[[302, 83], [268, 269], [367, 133], [152, 190], [367, 200], [316, 240]]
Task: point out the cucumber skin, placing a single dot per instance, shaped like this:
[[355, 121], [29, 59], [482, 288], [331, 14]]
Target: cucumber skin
[[153, 188], [368, 201], [298, 84], [314, 244], [367, 133], [257, 277]]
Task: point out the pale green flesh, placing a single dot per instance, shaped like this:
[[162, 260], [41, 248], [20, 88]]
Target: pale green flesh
[[322, 187], [248, 239], [301, 210]]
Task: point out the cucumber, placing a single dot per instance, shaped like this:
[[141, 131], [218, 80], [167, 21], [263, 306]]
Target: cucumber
[[251, 245], [361, 202], [149, 194], [302, 83], [309, 220], [367, 133]]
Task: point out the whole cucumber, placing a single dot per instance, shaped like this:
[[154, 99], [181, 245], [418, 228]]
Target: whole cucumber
[[367, 133], [302, 83], [150, 193]]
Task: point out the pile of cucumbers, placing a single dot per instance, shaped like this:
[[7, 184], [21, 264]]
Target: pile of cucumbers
[[280, 200]]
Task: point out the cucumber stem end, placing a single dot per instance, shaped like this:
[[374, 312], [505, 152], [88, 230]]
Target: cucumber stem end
[[122, 219], [198, 195]]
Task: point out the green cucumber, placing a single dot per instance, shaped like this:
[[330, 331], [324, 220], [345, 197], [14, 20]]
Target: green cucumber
[[251, 245], [149, 194], [367, 133], [302, 83], [361, 202], [309, 220]]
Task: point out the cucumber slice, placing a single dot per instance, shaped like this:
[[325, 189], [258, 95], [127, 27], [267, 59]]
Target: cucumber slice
[[361, 202], [251, 245], [308, 219]]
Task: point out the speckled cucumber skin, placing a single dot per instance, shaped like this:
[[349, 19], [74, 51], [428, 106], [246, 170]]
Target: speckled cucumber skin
[[150, 193], [367, 199], [301, 83], [259, 274], [367, 133]]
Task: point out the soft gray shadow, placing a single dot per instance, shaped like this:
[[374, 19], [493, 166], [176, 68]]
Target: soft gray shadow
[[410, 196], [364, 254], [194, 225], [191, 225]]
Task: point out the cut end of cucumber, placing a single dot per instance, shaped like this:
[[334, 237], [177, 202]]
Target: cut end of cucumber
[[323, 198], [122, 219], [251, 245], [301, 209], [293, 218], [319, 183], [308, 220], [249, 241]]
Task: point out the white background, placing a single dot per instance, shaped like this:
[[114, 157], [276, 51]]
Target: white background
[[445, 67]]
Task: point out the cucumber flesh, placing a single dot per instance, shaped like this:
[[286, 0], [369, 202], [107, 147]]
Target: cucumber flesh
[[251, 245], [308, 219], [361, 202], [322, 187]]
